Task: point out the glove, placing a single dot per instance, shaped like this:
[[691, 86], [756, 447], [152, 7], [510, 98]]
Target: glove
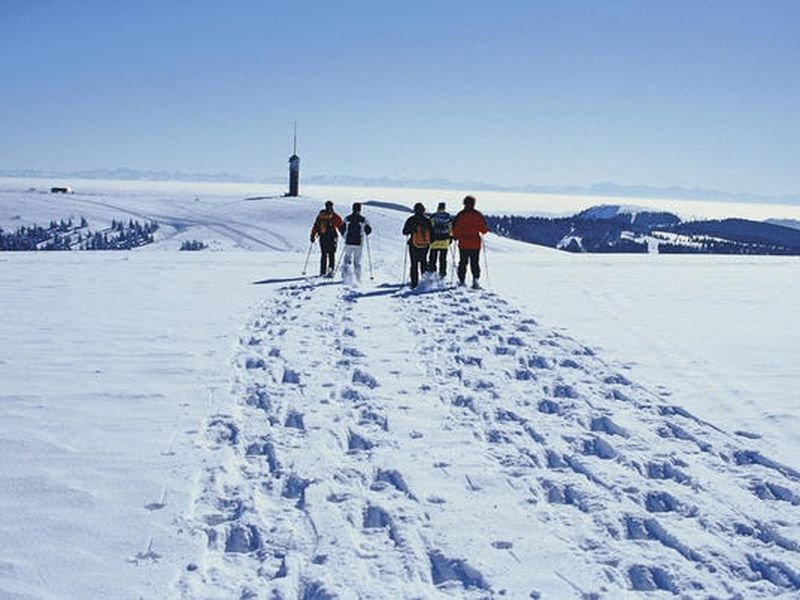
[[312, 239]]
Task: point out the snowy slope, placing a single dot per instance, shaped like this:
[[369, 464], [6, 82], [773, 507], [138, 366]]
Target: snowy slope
[[211, 425]]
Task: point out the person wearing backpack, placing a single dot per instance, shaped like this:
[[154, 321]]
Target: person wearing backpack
[[418, 229], [441, 236], [326, 227], [354, 230], [468, 227]]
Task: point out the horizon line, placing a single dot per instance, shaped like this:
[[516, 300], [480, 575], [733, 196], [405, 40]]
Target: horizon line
[[607, 188]]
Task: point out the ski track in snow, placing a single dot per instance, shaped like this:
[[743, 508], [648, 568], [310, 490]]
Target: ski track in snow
[[236, 231], [389, 444]]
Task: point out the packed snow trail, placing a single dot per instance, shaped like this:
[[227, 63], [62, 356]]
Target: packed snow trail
[[389, 444]]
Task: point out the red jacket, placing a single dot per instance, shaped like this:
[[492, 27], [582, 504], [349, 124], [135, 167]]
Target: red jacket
[[468, 226]]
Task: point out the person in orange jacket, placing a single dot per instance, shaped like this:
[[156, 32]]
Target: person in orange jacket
[[418, 229], [468, 227], [326, 228]]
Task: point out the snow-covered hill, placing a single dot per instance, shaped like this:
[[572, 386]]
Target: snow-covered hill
[[213, 425]]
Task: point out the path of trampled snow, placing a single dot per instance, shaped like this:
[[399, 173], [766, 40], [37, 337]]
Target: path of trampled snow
[[392, 444]]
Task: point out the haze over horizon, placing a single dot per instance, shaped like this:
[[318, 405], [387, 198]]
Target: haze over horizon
[[697, 95]]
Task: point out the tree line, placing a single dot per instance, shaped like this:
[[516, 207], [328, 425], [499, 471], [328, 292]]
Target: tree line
[[65, 234]]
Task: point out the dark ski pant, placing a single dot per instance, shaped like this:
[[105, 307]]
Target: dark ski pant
[[419, 263], [439, 255], [471, 257], [327, 258]]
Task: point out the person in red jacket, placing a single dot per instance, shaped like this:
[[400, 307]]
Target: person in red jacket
[[468, 227]]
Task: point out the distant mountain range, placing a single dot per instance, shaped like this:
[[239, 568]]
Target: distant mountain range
[[133, 175], [598, 189], [619, 229]]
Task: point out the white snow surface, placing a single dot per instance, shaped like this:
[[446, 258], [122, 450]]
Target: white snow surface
[[215, 425]]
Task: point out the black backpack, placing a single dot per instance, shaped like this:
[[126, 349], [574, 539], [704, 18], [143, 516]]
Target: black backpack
[[441, 226], [355, 225]]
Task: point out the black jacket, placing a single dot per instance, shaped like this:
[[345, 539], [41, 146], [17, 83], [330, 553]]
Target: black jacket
[[351, 230]]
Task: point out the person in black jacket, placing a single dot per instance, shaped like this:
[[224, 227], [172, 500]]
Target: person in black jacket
[[418, 230], [354, 230], [441, 236]]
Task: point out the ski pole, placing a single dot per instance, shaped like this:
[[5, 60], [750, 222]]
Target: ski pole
[[369, 260], [486, 262], [338, 262], [405, 259], [308, 255], [452, 264]]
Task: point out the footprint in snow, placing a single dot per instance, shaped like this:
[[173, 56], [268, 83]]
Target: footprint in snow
[[242, 539], [229, 510], [356, 442], [549, 407], [768, 491], [369, 417], [295, 488], [222, 430], [254, 363], [606, 425], [524, 375], [539, 362], [568, 363], [390, 477], [617, 379], [598, 447], [352, 395], [444, 569], [564, 391], [365, 379], [294, 420], [290, 377], [374, 517], [354, 352]]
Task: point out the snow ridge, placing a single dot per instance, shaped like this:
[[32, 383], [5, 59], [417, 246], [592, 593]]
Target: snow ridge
[[388, 444]]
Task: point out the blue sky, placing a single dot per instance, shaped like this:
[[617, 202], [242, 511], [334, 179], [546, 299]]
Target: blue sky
[[695, 93]]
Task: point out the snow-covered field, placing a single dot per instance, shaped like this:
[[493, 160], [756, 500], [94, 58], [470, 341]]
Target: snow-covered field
[[212, 425]]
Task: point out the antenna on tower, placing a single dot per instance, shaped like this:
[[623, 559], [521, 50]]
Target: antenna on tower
[[294, 147]]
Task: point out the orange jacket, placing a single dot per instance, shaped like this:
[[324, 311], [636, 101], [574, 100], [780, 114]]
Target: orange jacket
[[468, 226], [334, 223]]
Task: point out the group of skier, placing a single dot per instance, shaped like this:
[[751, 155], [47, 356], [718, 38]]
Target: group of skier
[[429, 238]]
